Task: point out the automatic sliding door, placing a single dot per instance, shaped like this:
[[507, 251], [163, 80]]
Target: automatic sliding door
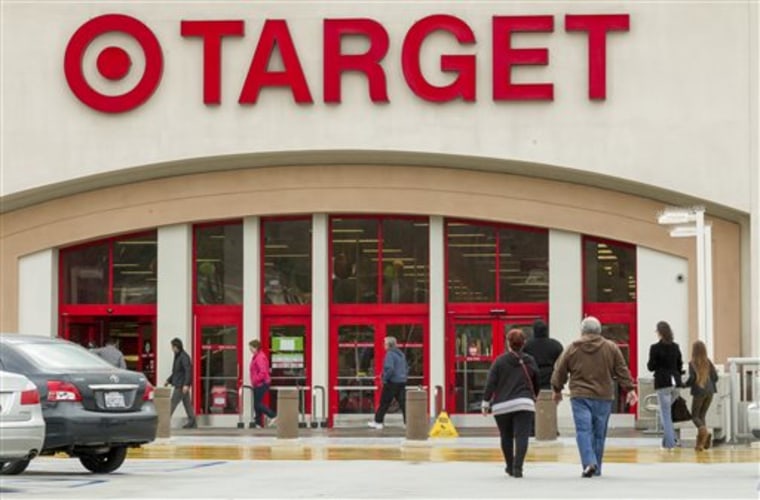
[[356, 383]]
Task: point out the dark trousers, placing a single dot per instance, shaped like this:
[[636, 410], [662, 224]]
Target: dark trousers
[[699, 407], [259, 406], [514, 429], [177, 396], [391, 391]]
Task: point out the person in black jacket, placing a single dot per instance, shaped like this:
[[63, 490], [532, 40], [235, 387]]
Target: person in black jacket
[[181, 379], [546, 351], [666, 363], [510, 394]]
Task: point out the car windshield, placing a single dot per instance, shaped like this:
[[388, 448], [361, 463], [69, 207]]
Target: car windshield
[[64, 355]]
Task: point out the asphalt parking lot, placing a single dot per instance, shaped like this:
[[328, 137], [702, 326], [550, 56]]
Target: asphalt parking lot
[[190, 467]]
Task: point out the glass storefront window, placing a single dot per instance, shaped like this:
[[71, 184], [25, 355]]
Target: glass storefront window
[[411, 341], [394, 249], [219, 264], [354, 251], [471, 262], [610, 271], [287, 261], [405, 245], [85, 274], [134, 269], [523, 265], [476, 252]]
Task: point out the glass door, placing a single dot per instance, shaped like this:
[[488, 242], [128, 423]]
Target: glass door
[[287, 342], [134, 336], [357, 354], [217, 363], [473, 343]]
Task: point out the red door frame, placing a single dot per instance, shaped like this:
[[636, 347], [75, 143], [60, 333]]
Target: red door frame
[[380, 323], [304, 320], [494, 314], [209, 316]]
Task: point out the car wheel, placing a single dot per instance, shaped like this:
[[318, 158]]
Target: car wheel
[[13, 468], [103, 463]]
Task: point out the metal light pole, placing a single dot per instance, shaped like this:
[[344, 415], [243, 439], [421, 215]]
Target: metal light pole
[[690, 222]]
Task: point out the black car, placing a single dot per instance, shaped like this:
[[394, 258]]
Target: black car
[[92, 410]]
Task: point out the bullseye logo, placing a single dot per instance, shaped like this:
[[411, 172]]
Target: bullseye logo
[[113, 63]]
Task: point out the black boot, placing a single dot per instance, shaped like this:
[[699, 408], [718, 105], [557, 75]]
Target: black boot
[[517, 473]]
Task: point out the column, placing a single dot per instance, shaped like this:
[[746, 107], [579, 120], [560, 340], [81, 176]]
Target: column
[[38, 293], [320, 310], [437, 332]]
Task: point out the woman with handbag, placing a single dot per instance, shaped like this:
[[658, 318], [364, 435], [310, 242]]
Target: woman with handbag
[[667, 364], [702, 379], [510, 394]]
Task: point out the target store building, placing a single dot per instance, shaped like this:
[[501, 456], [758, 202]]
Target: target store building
[[321, 175]]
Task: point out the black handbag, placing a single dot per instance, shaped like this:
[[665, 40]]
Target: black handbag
[[679, 411]]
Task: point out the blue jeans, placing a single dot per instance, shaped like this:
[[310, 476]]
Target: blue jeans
[[259, 406], [665, 397], [591, 417]]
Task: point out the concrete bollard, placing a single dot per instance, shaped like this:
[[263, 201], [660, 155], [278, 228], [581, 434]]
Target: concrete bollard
[[546, 416], [162, 400], [417, 418], [287, 413]]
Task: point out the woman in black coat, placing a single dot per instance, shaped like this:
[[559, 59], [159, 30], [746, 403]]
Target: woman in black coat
[[666, 363]]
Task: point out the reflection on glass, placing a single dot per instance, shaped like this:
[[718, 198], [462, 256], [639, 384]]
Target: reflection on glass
[[610, 271], [287, 351], [471, 262], [473, 343], [134, 269], [405, 253], [219, 264], [287, 261], [85, 274], [523, 265], [219, 369], [527, 330], [354, 250], [356, 369]]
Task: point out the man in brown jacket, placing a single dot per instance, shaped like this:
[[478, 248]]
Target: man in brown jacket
[[593, 364]]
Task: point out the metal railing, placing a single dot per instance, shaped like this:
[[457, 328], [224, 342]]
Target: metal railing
[[320, 421], [241, 408], [312, 421], [744, 390]]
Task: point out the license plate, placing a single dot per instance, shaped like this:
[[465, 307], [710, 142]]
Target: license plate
[[114, 400]]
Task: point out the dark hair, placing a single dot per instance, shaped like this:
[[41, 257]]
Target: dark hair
[[666, 334], [255, 343], [540, 330], [516, 339], [177, 343]]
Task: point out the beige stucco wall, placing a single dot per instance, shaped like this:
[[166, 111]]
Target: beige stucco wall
[[366, 189]]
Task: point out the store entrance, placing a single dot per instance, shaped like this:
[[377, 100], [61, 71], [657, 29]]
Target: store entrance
[[287, 342], [136, 337], [218, 370], [356, 361], [473, 342]]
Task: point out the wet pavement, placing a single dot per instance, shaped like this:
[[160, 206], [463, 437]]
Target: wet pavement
[[357, 463]]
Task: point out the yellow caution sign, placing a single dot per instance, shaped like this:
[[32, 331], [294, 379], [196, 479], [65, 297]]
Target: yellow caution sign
[[443, 427]]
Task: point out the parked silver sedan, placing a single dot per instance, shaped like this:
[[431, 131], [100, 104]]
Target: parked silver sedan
[[22, 427]]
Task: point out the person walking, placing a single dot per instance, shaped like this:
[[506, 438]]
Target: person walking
[[703, 379], [181, 379], [666, 363], [260, 380], [395, 372], [593, 365], [545, 351], [111, 353], [510, 393]]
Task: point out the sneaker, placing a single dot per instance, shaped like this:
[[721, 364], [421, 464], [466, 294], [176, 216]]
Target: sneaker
[[190, 425], [589, 471], [374, 425], [273, 422]]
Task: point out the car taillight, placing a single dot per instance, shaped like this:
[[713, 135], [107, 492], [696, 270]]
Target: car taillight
[[148, 394], [59, 391], [30, 395]]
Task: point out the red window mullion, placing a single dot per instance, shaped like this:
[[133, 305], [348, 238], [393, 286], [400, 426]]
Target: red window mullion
[[110, 271], [379, 260], [497, 265]]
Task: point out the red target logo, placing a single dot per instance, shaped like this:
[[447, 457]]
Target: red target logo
[[113, 63]]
